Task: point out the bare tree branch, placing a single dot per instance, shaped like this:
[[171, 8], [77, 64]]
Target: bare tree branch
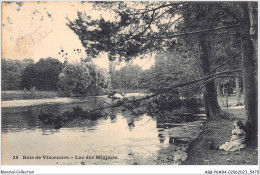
[[230, 58]]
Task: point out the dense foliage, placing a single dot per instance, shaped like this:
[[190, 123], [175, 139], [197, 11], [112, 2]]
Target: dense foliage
[[169, 69], [128, 77], [11, 73], [43, 75], [144, 27], [83, 78]]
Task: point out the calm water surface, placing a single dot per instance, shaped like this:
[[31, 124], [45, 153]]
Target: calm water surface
[[125, 138]]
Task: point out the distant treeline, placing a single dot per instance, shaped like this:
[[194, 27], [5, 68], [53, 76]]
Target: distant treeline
[[11, 73], [52, 75], [86, 78], [167, 70]]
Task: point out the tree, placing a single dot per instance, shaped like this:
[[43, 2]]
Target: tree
[[12, 73], [83, 79], [245, 38], [128, 77], [130, 38], [212, 49], [43, 75], [143, 27], [170, 68], [249, 51], [211, 103], [29, 77]]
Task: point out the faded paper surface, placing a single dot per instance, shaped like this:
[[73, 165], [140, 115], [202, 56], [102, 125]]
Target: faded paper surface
[[35, 30]]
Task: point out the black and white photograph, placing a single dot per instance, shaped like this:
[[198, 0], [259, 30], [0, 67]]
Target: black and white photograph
[[130, 83]]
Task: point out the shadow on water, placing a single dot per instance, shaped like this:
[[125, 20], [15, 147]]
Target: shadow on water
[[135, 139], [27, 118]]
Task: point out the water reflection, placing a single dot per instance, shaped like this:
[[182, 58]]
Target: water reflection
[[112, 115], [132, 139]]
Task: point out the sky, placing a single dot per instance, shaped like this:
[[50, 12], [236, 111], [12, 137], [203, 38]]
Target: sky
[[38, 30]]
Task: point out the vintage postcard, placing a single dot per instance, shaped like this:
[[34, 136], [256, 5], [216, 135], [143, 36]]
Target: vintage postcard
[[130, 83]]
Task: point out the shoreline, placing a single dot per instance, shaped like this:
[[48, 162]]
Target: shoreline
[[36, 102], [216, 132], [51, 100]]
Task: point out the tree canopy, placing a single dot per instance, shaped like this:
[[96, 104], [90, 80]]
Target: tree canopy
[[11, 73], [83, 78], [43, 75], [139, 28]]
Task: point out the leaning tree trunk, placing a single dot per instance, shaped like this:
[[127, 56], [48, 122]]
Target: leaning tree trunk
[[210, 95], [249, 74]]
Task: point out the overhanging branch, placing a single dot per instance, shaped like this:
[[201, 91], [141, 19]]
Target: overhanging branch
[[146, 27], [168, 36], [225, 62], [205, 79], [200, 31]]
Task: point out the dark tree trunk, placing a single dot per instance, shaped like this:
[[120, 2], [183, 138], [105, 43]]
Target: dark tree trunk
[[249, 74], [210, 95], [253, 16], [238, 91]]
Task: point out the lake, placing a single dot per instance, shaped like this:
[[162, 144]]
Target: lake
[[119, 139]]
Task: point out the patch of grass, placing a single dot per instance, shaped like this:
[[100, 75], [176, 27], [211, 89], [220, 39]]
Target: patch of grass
[[131, 90], [21, 95], [232, 100], [218, 131]]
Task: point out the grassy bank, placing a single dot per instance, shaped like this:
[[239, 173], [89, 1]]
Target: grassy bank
[[131, 90], [21, 95], [218, 131]]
